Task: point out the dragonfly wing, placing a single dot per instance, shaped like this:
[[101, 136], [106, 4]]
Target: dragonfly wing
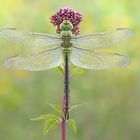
[[97, 60], [35, 62], [102, 39], [30, 39]]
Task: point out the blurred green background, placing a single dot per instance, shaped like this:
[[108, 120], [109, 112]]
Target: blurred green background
[[112, 96]]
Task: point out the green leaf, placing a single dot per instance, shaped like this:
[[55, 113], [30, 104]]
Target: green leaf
[[60, 69], [46, 116], [76, 106], [76, 70], [49, 124], [72, 125], [55, 107]]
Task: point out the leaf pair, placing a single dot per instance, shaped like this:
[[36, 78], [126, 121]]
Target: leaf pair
[[74, 70], [57, 108], [52, 120]]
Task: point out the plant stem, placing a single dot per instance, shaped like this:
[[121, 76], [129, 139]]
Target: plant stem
[[63, 125]]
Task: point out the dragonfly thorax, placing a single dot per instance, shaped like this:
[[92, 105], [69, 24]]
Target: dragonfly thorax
[[66, 33], [66, 42]]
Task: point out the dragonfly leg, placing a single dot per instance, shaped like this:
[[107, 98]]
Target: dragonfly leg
[[67, 116], [66, 108]]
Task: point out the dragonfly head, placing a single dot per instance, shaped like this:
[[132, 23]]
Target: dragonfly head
[[66, 25]]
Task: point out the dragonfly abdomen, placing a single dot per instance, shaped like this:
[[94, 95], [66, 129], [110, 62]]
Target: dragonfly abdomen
[[66, 105]]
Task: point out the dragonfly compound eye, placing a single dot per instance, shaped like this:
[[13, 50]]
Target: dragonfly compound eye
[[66, 15], [66, 25]]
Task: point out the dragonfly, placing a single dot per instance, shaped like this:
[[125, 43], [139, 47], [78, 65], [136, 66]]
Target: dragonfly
[[64, 50]]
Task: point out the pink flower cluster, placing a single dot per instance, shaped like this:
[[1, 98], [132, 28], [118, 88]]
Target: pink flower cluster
[[67, 14]]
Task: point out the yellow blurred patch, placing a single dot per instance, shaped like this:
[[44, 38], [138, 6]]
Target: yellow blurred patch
[[21, 74], [3, 88]]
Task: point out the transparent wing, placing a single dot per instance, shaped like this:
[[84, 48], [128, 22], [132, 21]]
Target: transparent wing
[[29, 39], [102, 39], [97, 60], [35, 62]]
